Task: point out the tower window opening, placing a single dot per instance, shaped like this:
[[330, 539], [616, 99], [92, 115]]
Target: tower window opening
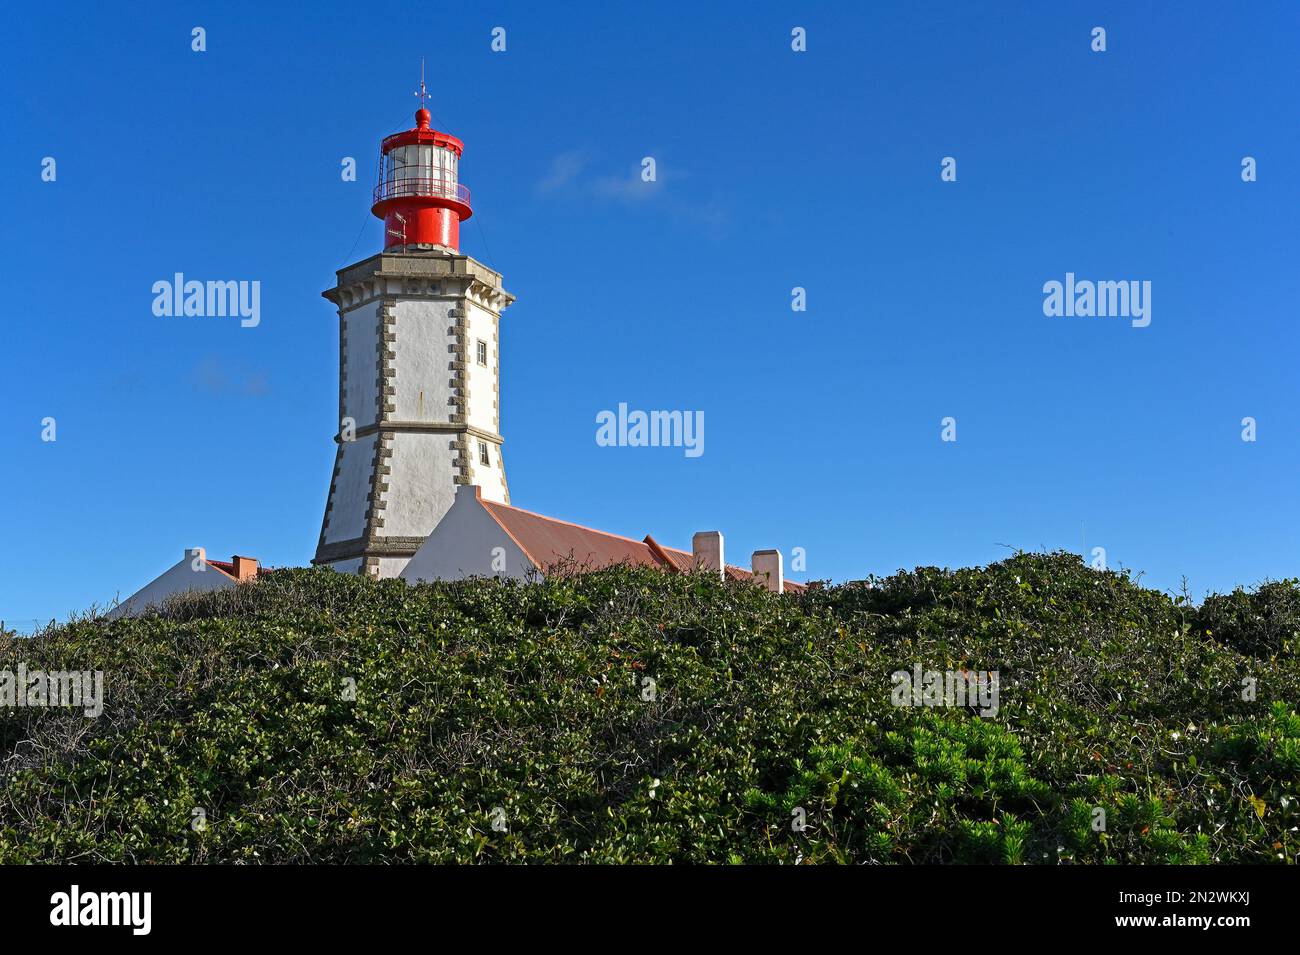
[[483, 455], [482, 353]]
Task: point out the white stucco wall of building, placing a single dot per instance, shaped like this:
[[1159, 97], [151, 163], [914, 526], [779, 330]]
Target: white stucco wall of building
[[361, 347], [482, 380], [392, 566], [179, 578], [491, 478], [424, 356], [347, 515], [484, 411], [464, 544], [422, 483], [350, 566]]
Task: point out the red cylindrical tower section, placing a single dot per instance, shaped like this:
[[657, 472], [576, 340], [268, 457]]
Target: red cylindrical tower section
[[419, 195]]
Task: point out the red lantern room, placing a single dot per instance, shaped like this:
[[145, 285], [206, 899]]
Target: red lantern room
[[419, 195]]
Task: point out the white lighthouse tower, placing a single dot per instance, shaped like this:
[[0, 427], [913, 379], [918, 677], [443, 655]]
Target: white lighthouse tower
[[419, 383]]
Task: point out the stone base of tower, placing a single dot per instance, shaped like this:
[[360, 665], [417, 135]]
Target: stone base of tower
[[419, 404], [377, 567]]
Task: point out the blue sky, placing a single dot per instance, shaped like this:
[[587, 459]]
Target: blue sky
[[776, 169]]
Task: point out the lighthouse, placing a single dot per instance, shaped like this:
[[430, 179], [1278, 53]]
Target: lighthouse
[[419, 365]]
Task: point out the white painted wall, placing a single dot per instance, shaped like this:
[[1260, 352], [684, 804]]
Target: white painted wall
[[350, 566], [390, 567], [482, 381], [422, 485], [462, 545], [491, 479], [423, 363], [180, 578], [347, 516], [361, 342]]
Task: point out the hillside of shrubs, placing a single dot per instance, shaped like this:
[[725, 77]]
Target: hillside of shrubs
[[629, 716]]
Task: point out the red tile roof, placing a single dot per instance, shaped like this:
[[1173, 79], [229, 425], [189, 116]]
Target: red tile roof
[[547, 542]]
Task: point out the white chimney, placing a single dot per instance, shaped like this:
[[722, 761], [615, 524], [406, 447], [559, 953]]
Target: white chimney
[[706, 548], [766, 565]]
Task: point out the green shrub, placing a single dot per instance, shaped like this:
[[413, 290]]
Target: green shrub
[[633, 716], [1260, 622]]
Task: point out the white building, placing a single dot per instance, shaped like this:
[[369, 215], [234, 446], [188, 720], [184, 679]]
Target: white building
[[193, 572], [479, 537]]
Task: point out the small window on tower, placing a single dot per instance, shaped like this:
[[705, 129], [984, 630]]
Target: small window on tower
[[482, 353], [483, 455]]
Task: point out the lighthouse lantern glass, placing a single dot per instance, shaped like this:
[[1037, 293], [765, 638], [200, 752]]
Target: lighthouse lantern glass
[[421, 170]]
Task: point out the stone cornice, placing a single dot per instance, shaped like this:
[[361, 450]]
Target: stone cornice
[[429, 273], [367, 547], [434, 427]]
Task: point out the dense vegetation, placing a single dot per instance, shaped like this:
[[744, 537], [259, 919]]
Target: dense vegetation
[[632, 716]]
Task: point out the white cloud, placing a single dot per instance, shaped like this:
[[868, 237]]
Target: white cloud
[[564, 171]]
